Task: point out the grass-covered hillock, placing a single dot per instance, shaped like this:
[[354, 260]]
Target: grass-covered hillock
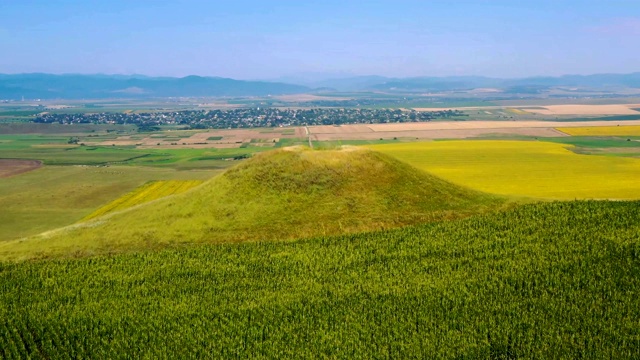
[[278, 195], [543, 281]]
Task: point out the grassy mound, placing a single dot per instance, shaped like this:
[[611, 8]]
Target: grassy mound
[[279, 195], [543, 281]]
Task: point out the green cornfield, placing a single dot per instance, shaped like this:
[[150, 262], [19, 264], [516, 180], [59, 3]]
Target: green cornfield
[[543, 281]]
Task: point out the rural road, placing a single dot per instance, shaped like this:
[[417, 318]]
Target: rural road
[[306, 129]]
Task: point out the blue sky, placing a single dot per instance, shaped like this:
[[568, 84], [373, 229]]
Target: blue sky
[[250, 39]]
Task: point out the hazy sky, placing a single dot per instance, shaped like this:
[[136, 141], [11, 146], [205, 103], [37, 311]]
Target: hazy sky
[[263, 39]]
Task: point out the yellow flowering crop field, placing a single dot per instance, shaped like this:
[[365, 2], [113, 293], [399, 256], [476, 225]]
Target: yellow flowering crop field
[[523, 168], [626, 130], [517, 111], [145, 193]]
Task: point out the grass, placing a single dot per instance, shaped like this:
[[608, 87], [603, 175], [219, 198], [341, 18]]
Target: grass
[[56, 196], [633, 130], [545, 281], [585, 143], [523, 168], [601, 145], [148, 192], [280, 195]]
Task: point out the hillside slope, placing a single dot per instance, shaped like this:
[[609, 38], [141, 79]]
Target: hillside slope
[[278, 195], [543, 281]]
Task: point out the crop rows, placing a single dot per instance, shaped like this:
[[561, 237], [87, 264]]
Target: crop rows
[[544, 281], [150, 191]]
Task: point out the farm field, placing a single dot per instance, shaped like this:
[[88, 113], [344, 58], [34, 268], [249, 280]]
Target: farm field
[[583, 109], [148, 192], [203, 139], [12, 167], [523, 168], [452, 129], [633, 130], [56, 196], [519, 284], [55, 150]]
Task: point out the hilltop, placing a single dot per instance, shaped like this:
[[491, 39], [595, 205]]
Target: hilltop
[[283, 194]]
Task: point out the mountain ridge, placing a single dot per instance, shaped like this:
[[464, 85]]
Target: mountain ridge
[[96, 86], [80, 86]]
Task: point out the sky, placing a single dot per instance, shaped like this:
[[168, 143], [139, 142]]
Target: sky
[[263, 39]]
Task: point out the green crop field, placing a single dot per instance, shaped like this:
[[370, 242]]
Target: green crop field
[[523, 168], [55, 150], [56, 196], [545, 281]]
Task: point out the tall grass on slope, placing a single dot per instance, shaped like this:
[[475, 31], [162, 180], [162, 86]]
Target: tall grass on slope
[[544, 281], [279, 195], [150, 191]]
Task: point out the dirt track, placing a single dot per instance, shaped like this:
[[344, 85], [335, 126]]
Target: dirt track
[[11, 167]]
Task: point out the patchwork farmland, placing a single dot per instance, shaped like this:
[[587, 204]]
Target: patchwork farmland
[[337, 250]]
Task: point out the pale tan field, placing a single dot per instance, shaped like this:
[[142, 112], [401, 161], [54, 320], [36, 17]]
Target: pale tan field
[[565, 109], [438, 134], [584, 110], [229, 138], [451, 129], [219, 105], [234, 138]]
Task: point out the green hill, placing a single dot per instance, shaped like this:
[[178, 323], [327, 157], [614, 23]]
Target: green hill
[[543, 281], [279, 195]]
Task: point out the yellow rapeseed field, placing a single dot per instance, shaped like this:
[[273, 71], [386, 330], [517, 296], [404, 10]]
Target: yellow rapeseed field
[[627, 130], [145, 193], [517, 111], [524, 168]]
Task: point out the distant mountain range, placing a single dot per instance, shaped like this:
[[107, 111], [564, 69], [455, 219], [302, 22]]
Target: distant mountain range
[[48, 86], [453, 83]]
